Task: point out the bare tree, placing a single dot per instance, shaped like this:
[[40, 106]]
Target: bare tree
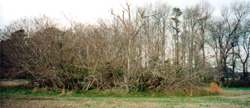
[[191, 26], [176, 14], [226, 30], [131, 36], [244, 47]]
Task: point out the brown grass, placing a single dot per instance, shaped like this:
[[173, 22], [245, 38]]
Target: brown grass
[[35, 90], [215, 89], [63, 91], [45, 89], [70, 92]]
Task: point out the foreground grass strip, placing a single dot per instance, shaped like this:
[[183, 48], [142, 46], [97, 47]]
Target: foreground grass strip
[[22, 97], [119, 102], [37, 98]]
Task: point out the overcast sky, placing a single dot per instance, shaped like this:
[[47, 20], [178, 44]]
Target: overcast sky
[[84, 10]]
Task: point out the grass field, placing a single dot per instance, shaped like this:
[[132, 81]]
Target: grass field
[[13, 97]]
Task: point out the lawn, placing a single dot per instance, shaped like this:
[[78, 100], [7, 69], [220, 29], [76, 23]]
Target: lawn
[[12, 97]]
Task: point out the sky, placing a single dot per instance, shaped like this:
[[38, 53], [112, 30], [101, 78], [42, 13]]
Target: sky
[[82, 10]]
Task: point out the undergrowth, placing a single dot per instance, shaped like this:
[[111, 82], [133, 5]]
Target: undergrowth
[[26, 91]]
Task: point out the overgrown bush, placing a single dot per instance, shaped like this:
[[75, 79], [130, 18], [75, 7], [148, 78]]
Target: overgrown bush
[[238, 83], [81, 59]]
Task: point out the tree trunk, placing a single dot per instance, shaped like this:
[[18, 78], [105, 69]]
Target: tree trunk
[[245, 73], [225, 69], [233, 66], [126, 79]]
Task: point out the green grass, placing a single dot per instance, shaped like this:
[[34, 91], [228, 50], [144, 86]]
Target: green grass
[[236, 89], [102, 98], [22, 91], [15, 80]]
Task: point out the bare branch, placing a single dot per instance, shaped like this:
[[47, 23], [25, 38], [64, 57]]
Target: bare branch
[[137, 31]]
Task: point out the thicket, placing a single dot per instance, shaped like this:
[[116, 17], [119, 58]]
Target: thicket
[[148, 50]]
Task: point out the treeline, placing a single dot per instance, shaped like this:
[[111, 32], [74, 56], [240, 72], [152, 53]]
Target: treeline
[[150, 47]]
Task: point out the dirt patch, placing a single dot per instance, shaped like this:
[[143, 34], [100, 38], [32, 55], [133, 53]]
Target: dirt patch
[[13, 83], [233, 93]]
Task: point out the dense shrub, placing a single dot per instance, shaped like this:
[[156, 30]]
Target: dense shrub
[[238, 83]]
